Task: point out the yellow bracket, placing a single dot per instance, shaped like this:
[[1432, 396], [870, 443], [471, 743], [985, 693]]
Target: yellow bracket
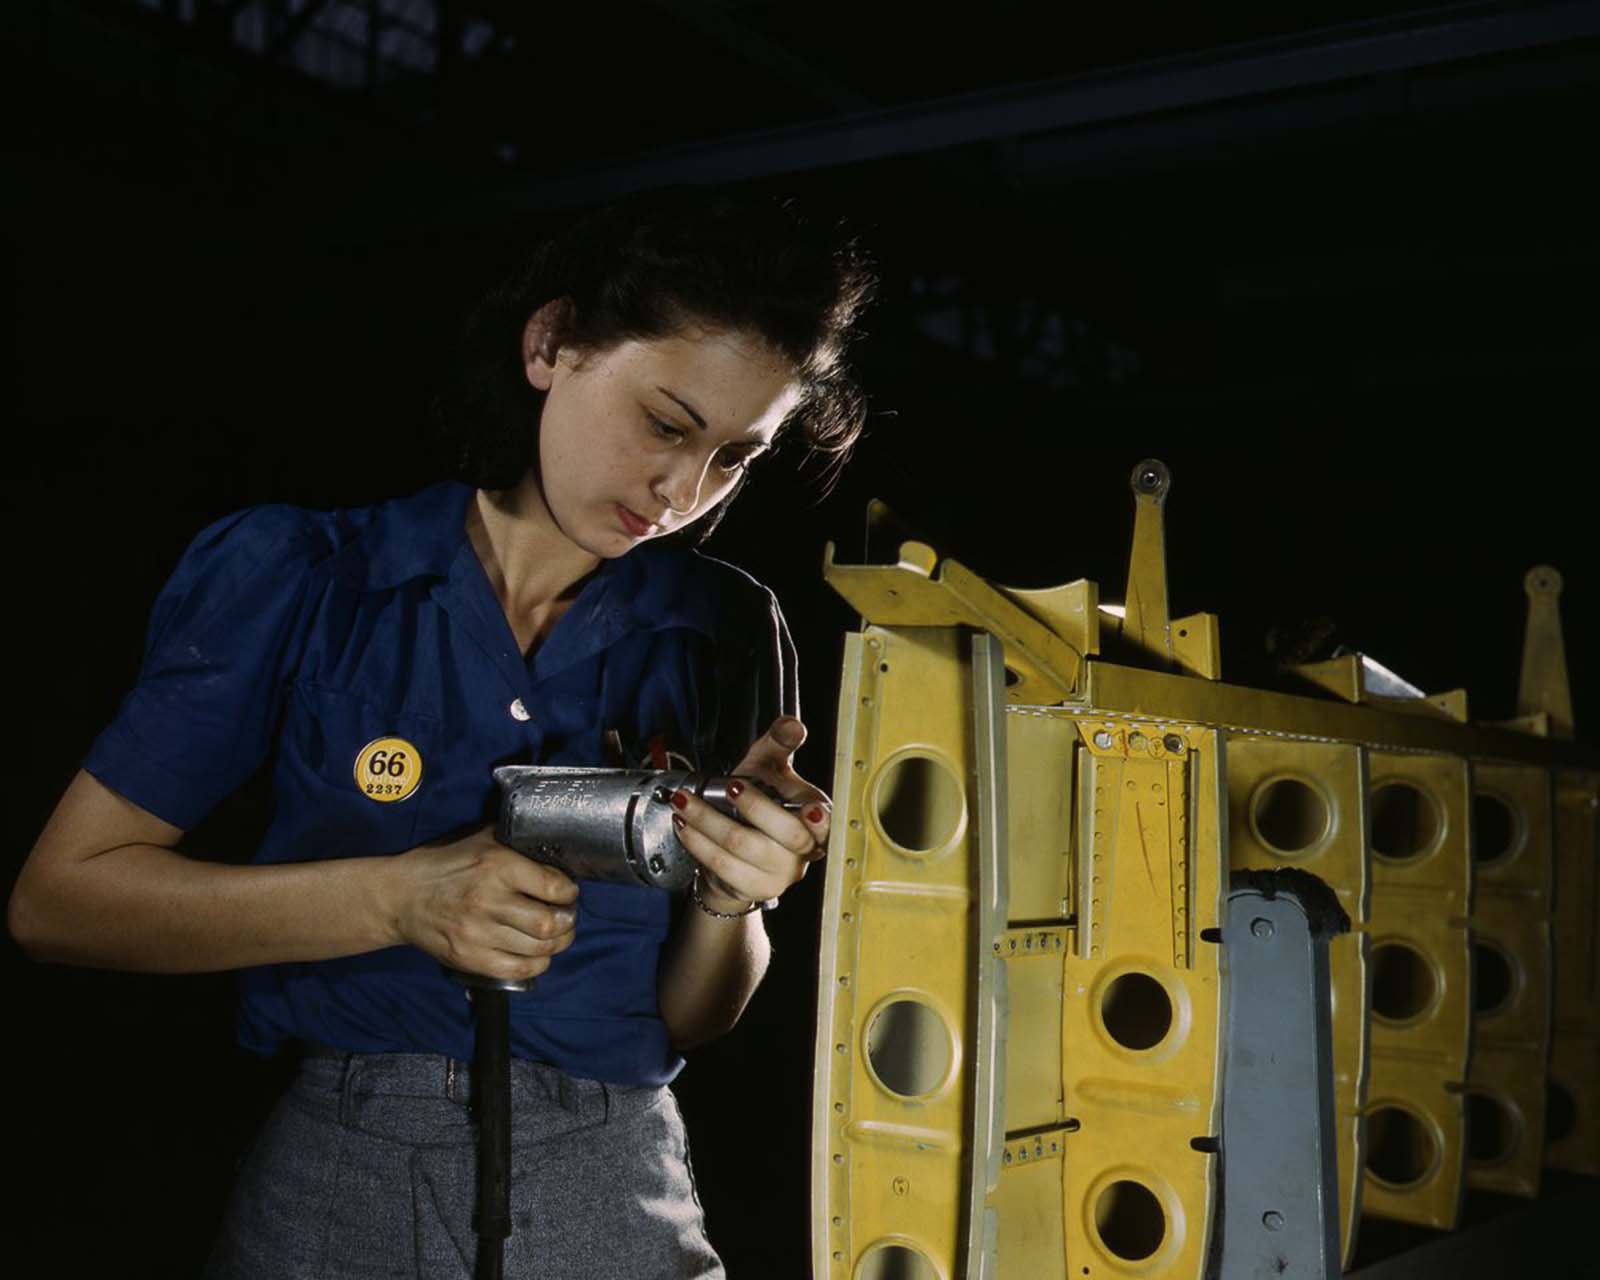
[[1147, 623], [1191, 643], [1197, 644], [1544, 689], [1046, 633], [1358, 679]]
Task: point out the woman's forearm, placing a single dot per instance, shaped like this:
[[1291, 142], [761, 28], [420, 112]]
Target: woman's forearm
[[147, 908], [709, 971], [104, 886]]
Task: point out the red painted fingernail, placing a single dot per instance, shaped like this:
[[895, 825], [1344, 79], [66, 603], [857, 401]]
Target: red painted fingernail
[[735, 789], [678, 823], [814, 813], [680, 800]]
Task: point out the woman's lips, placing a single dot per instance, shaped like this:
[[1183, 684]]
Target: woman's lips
[[635, 525]]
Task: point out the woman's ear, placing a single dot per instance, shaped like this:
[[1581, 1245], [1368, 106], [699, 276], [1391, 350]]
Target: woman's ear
[[541, 340]]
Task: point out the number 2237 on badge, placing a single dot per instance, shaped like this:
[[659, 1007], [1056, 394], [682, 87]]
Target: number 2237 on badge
[[388, 769]]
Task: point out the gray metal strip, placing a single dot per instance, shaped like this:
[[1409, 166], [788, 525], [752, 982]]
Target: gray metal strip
[[986, 1139], [1280, 1202]]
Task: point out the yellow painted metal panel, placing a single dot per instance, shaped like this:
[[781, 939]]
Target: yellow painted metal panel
[[1027, 1201], [1030, 1242], [1544, 687], [922, 592], [1572, 1110], [1511, 1040], [1141, 1026], [1197, 645], [1573, 1123], [907, 1051], [1033, 1092], [893, 1163], [1511, 962], [1071, 610], [1117, 811], [1413, 1144], [1577, 908], [1513, 839], [1419, 833], [1112, 689], [1039, 815], [899, 969], [1513, 829], [1505, 1118], [1302, 804], [1348, 966], [1429, 1192]]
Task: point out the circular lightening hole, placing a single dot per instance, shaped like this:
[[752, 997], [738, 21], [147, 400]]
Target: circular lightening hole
[[1290, 816], [1403, 985], [1130, 1220], [920, 806], [909, 1048], [1492, 1129], [1405, 822], [1494, 827], [1400, 1150], [895, 1262], [1136, 1011], [1494, 980], [1560, 1113]]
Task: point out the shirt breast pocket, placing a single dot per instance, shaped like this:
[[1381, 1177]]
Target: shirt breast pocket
[[360, 767]]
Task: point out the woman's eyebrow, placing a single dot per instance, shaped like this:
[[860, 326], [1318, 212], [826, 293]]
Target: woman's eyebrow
[[754, 442], [685, 406]]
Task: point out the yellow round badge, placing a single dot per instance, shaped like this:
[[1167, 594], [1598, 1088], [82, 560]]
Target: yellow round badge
[[388, 769]]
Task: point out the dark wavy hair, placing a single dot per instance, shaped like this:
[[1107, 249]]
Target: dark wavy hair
[[653, 266]]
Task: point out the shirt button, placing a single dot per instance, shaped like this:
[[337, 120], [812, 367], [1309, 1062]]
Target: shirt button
[[518, 711]]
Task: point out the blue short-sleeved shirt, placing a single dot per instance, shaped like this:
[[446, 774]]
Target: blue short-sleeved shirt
[[299, 638]]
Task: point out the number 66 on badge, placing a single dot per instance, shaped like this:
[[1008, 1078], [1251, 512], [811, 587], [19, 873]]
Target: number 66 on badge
[[388, 769]]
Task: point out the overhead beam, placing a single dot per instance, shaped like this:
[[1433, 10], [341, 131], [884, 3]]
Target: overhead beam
[[1096, 100], [294, 29], [712, 22]]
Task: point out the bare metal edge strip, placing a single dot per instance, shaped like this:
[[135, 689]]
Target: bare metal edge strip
[[987, 1137]]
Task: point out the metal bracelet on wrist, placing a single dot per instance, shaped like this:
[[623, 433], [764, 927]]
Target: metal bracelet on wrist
[[694, 893]]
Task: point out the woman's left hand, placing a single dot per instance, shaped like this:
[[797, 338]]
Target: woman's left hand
[[757, 859]]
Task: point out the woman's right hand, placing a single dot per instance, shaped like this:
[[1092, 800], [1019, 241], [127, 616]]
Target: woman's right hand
[[477, 906], [105, 886]]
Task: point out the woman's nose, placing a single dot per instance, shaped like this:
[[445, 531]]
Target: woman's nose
[[680, 487]]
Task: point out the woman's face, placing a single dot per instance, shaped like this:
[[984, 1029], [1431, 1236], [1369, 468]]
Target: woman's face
[[645, 437]]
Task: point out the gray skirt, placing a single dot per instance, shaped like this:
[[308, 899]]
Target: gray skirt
[[366, 1168]]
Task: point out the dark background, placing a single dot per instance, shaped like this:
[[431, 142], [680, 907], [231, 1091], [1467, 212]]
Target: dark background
[[1341, 278]]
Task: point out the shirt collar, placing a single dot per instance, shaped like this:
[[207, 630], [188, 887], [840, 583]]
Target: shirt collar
[[654, 586], [411, 537]]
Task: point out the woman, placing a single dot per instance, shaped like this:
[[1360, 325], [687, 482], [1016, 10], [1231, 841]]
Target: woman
[[381, 661]]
